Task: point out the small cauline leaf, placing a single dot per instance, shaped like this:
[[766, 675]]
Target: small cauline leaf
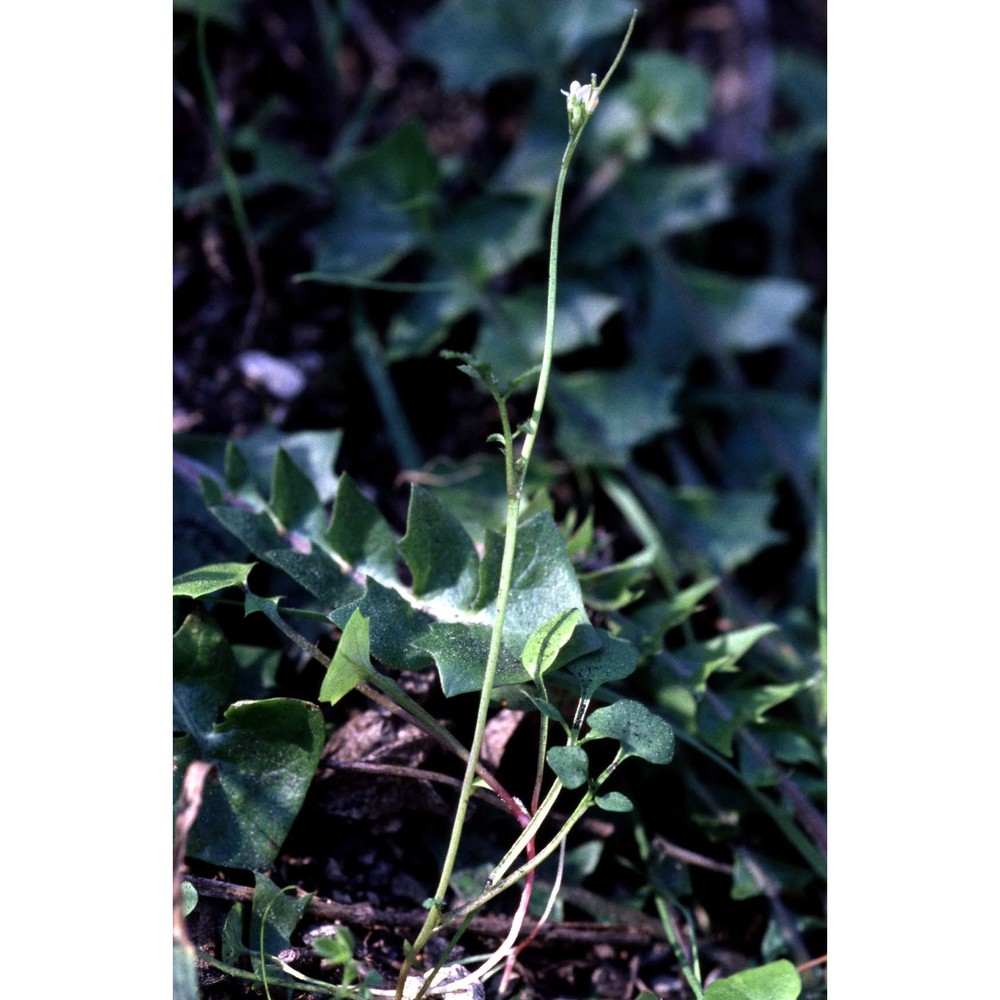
[[640, 731], [545, 643], [614, 802], [570, 764], [351, 663]]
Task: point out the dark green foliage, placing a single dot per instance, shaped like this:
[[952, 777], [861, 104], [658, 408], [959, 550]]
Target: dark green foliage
[[665, 568], [264, 753]]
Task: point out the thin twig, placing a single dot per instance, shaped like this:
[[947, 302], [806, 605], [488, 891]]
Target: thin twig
[[638, 934]]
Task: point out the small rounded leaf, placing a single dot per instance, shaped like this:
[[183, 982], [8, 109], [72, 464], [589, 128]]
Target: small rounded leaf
[[570, 764], [640, 732], [614, 802]]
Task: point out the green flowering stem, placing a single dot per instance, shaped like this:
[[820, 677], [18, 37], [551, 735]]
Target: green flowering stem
[[580, 109], [581, 103]]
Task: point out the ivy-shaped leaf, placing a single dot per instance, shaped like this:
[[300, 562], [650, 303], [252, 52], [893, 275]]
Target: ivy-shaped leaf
[[294, 500], [360, 534], [544, 581], [384, 197], [720, 716], [438, 551], [264, 754], [317, 573], [460, 651], [603, 415], [718, 655], [278, 912], [395, 626], [203, 673]]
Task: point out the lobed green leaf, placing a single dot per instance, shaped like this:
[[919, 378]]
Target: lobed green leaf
[[264, 754], [438, 551], [211, 579]]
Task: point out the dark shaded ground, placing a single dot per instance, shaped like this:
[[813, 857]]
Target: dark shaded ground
[[363, 838]]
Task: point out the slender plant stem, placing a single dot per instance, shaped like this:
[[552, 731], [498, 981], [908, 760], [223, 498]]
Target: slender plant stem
[[516, 474], [688, 968]]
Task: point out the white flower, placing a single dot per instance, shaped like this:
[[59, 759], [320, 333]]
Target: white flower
[[584, 96]]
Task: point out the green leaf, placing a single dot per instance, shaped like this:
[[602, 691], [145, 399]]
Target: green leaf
[[573, 24], [651, 203], [460, 651], [672, 94], [777, 981], [265, 753], [203, 673], [313, 570], [490, 234], [728, 529], [314, 452], [317, 573], [189, 898], [396, 627], [547, 641], [239, 478], [656, 618], [719, 654], [278, 912], [543, 583], [210, 579], [580, 538], [640, 732], [233, 947], [750, 313], [351, 663], [613, 660], [473, 43], [570, 764], [249, 466], [338, 949], [294, 500], [614, 802], [384, 199], [720, 717], [603, 415], [361, 535], [512, 337], [255, 530], [438, 551], [425, 320], [610, 588]]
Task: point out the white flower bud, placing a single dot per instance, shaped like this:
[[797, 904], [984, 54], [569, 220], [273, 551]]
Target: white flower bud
[[581, 99]]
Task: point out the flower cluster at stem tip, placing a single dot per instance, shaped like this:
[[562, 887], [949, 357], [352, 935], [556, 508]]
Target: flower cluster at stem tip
[[581, 101]]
